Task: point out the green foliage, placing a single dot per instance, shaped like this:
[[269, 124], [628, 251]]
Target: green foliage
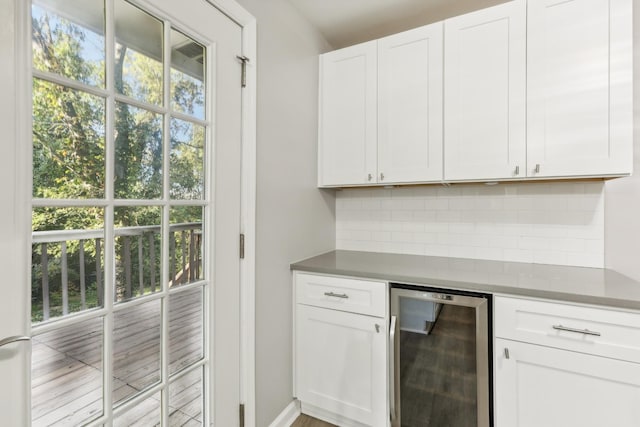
[[70, 156]]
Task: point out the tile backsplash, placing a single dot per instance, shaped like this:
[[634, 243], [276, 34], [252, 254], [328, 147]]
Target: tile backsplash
[[547, 223]]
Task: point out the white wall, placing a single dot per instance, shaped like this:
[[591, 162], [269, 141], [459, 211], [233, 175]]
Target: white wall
[[622, 200], [295, 220], [546, 223]]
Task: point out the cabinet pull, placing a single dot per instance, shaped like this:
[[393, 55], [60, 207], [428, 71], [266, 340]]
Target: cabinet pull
[[517, 171], [537, 168], [369, 177], [377, 328], [577, 331], [381, 176], [333, 294], [506, 353]]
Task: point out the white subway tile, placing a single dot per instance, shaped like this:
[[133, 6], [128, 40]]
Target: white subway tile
[[381, 236], [489, 253], [424, 216], [551, 223], [381, 215], [401, 236], [436, 227], [518, 255], [549, 257], [371, 204], [504, 242], [413, 227], [462, 227], [533, 243], [413, 204], [401, 215], [427, 238]]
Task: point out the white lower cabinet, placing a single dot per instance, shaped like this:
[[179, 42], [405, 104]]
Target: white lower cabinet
[[566, 382], [542, 386], [340, 358]]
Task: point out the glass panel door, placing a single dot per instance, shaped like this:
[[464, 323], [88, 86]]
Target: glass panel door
[[121, 252]]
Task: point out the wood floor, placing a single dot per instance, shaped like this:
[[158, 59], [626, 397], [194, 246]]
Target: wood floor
[[307, 421], [67, 376]]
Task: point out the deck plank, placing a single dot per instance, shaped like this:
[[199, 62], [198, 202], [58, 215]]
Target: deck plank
[[67, 366]]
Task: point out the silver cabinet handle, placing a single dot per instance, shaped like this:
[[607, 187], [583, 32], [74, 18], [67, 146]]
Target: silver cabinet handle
[[537, 168], [517, 171], [333, 294], [577, 331], [392, 368], [369, 177], [15, 338], [506, 353], [381, 176]]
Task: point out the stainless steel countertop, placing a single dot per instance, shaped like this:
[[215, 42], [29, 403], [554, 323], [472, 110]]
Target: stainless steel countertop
[[569, 284]]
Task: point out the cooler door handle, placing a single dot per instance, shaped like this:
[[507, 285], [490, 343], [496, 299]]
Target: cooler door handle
[[392, 367]]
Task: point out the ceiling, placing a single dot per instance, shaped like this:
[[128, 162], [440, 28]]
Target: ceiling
[[347, 22]]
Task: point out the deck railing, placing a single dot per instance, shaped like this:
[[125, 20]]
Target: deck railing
[[138, 253]]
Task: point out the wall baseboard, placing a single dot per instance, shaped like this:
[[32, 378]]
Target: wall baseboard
[[287, 416]]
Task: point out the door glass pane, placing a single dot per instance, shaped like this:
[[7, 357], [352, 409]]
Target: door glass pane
[[68, 39], [185, 328], [138, 57], [185, 245], [187, 75], [68, 143], [138, 249], [138, 163], [136, 355], [186, 162], [185, 400], [144, 414], [66, 375], [66, 261]]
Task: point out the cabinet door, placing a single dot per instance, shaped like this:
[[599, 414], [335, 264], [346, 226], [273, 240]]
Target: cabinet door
[[341, 363], [484, 95], [347, 127], [542, 386], [410, 106], [579, 87]]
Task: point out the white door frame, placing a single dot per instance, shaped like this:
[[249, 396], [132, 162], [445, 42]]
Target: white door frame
[[15, 41], [248, 207]]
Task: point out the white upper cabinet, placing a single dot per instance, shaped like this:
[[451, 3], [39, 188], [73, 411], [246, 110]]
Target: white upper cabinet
[[527, 89], [580, 93], [410, 106], [485, 89], [381, 111], [347, 125]]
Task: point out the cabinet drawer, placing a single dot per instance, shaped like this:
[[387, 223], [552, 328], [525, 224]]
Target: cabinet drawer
[[604, 332], [353, 295]]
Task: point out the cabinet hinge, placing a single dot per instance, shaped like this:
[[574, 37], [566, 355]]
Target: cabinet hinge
[[241, 246], [241, 415], [243, 59]]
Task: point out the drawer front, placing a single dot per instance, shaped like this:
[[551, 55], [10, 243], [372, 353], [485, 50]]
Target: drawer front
[[603, 332], [352, 295]]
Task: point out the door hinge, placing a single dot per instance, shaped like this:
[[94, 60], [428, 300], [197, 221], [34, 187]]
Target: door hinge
[[242, 415], [243, 59], [241, 246]]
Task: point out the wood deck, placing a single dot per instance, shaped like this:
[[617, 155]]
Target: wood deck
[[66, 374]]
